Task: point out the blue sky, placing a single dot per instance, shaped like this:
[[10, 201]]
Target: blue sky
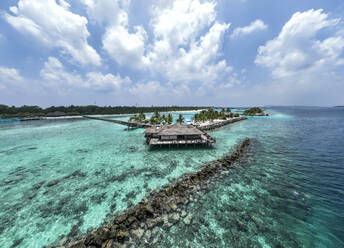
[[187, 52]]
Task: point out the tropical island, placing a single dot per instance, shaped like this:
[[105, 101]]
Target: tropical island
[[254, 112], [36, 111], [205, 117]]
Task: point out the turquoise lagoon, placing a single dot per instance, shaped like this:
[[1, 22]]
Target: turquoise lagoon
[[60, 179]]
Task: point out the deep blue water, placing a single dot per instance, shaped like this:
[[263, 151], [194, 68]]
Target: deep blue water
[[290, 193]]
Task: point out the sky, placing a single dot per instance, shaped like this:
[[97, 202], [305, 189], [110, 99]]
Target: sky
[[162, 52]]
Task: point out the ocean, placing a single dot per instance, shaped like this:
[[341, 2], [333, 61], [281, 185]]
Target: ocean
[[60, 179]]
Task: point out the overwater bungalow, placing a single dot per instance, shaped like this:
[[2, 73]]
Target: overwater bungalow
[[177, 134]]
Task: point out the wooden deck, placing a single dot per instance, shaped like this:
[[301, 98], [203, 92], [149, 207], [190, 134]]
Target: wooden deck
[[205, 140], [125, 123]]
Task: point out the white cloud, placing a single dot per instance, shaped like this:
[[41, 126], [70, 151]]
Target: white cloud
[[10, 79], [179, 50], [107, 82], [186, 42], [183, 22], [10, 75], [198, 62], [296, 50], [54, 25], [125, 47], [257, 25], [106, 11], [304, 60], [55, 76]]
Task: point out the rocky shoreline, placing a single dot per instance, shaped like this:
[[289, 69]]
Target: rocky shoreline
[[221, 124], [162, 208]]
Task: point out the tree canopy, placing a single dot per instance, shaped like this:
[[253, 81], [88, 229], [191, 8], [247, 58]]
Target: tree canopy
[[24, 111], [253, 111], [180, 119], [209, 114]]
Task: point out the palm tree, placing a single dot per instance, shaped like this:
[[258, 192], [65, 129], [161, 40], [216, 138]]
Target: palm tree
[[156, 114], [142, 116], [180, 119], [169, 119]]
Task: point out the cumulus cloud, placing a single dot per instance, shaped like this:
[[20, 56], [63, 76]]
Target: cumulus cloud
[[257, 25], [53, 24], [187, 42], [55, 75], [198, 62], [125, 47], [106, 11], [10, 79], [296, 51], [10, 74], [304, 61], [107, 82], [183, 21]]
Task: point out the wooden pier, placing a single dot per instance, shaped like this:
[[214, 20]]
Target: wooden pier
[[132, 124]]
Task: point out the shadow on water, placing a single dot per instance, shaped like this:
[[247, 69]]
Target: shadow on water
[[180, 148]]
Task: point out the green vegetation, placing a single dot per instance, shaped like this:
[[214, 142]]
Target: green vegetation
[[180, 119], [253, 111], [169, 119], [155, 119], [210, 114], [30, 111], [139, 118]]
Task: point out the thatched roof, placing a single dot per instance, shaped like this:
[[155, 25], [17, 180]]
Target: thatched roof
[[176, 129], [152, 130]]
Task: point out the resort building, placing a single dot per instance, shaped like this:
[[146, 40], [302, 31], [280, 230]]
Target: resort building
[[177, 134]]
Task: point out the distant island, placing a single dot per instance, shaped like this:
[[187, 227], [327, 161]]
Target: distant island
[[36, 111], [254, 112]]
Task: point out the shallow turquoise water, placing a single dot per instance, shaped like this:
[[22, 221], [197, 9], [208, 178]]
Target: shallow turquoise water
[[292, 183]]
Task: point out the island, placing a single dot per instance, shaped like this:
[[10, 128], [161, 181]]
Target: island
[[36, 112], [254, 112]]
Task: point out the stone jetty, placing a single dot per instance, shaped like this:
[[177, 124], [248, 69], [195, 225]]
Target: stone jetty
[[215, 125], [160, 209]]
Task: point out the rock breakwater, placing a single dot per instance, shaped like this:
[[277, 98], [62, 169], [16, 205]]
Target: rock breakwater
[[162, 208]]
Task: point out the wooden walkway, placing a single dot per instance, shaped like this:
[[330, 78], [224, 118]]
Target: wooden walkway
[[125, 123]]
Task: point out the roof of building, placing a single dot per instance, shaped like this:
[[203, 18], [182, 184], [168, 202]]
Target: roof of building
[[176, 129], [152, 130]]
